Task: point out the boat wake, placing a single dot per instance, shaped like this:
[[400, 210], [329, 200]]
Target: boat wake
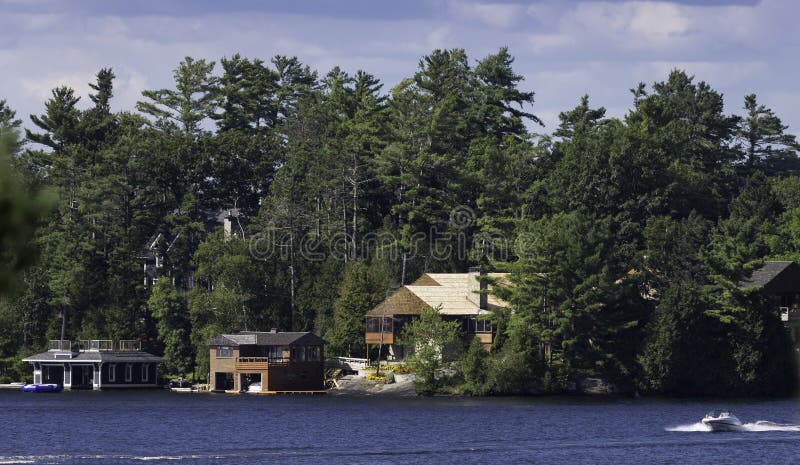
[[758, 426]]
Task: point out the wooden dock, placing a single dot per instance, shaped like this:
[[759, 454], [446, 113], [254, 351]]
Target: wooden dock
[[276, 393], [11, 386]]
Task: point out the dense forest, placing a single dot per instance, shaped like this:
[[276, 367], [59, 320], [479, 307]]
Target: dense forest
[[625, 238]]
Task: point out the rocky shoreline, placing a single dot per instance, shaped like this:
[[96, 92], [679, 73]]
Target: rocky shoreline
[[359, 385]]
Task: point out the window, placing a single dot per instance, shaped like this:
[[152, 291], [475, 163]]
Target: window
[[472, 325], [374, 325], [299, 354], [112, 373], [224, 352], [145, 372], [128, 373], [314, 354], [275, 352]]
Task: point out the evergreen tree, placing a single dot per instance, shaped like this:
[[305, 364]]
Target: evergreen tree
[[359, 292], [431, 338], [765, 142], [169, 310]]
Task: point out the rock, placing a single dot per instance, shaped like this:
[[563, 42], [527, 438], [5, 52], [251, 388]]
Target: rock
[[388, 377], [595, 386]]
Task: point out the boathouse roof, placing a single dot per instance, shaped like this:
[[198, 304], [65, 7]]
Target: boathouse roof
[[266, 338], [105, 357], [95, 350]]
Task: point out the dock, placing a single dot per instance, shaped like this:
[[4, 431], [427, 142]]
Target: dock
[[16, 386]]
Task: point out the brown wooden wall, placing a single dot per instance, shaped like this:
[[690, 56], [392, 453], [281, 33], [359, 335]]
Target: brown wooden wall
[[297, 376]]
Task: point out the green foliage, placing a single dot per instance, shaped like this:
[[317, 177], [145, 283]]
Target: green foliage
[[20, 212], [431, 339], [629, 235], [511, 373], [169, 311], [473, 367], [360, 290], [684, 352]]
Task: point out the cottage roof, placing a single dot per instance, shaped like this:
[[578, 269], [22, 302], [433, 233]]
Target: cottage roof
[[765, 274], [452, 293], [91, 356], [401, 302], [264, 338], [777, 277]]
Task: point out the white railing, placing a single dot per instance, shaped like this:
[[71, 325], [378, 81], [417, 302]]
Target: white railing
[[97, 345], [351, 363], [60, 345], [129, 345]]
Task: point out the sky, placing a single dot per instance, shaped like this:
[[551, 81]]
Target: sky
[[564, 49]]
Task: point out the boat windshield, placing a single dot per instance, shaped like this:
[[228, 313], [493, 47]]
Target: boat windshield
[[718, 413]]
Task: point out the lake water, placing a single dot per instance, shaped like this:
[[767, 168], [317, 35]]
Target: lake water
[[163, 427]]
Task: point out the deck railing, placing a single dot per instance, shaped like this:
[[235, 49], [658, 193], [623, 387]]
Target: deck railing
[[96, 345], [129, 345], [60, 345], [260, 363]]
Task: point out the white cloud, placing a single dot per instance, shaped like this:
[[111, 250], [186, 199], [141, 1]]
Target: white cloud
[[498, 15], [565, 49], [540, 43]]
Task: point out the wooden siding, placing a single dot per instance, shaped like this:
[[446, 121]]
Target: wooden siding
[[375, 338], [297, 376], [277, 375]]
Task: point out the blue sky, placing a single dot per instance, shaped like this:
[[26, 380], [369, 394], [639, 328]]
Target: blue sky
[[563, 48]]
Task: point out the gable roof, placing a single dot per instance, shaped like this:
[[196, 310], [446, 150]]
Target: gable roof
[[264, 338], [452, 293], [777, 277], [401, 302]]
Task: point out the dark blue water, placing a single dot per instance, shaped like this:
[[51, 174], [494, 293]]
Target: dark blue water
[[162, 427]]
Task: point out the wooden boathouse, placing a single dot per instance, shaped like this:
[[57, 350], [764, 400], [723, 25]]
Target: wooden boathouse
[[95, 364], [280, 361]]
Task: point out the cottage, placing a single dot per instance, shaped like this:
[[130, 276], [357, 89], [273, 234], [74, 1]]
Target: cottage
[[781, 279], [463, 297], [95, 364], [273, 361], [157, 248]]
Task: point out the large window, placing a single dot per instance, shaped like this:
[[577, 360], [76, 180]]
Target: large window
[[275, 352], [299, 354], [112, 373], [374, 324], [314, 354], [224, 352], [128, 373], [472, 325], [306, 354], [145, 372]]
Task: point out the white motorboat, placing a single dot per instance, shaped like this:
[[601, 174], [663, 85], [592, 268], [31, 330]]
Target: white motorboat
[[254, 388], [722, 420]]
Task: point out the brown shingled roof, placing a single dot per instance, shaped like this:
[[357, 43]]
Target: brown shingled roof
[[402, 302]]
